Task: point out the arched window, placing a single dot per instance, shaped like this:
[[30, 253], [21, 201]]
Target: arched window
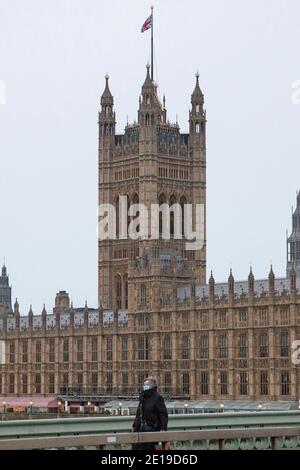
[[172, 219], [118, 291], [143, 294], [161, 200], [148, 100], [152, 119], [197, 127], [197, 108], [126, 291], [135, 200], [147, 119], [183, 201], [263, 345], [117, 217], [167, 348]]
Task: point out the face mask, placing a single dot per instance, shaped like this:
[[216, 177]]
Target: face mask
[[146, 387]]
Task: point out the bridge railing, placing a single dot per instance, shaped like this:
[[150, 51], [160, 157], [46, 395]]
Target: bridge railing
[[270, 437]]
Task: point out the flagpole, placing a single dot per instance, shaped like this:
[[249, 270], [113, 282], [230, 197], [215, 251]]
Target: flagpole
[[152, 43]]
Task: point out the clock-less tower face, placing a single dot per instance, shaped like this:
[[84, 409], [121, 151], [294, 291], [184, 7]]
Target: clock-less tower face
[[152, 162]]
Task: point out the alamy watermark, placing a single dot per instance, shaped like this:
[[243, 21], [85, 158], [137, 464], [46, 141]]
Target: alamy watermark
[[296, 352], [3, 92], [138, 222]]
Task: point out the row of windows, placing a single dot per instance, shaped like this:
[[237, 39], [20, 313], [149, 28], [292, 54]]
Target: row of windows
[[127, 174], [50, 351], [173, 173]]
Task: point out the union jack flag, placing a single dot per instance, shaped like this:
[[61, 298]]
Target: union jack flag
[[147, 24]]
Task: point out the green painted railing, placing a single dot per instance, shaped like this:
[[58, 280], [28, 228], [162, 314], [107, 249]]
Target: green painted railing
[[122, 424]]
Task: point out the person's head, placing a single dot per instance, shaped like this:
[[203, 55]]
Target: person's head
[[149, 384]]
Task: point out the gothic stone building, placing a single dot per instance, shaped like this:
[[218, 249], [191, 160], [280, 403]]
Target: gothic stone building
[[157, 314]]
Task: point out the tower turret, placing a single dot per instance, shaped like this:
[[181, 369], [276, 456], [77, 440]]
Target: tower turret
[[293, 242], [5, 291], [107, 123]]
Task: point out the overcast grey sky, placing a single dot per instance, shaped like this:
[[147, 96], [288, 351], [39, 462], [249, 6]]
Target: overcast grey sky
[[53, 58]]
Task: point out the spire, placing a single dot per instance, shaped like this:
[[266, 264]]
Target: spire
[[211, 286], [148, 82], [231, 283], [197, 95], [251, 281], [30, 313], [16, 307], [44, 311], [107, 97], [4, 271], [271, 280]]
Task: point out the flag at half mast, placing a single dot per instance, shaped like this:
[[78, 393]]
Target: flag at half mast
[[147, 25]]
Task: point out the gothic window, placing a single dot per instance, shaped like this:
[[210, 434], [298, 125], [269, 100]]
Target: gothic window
[[109, 349], [11, 383], [79, 349], [124, 348], [223, 347], [11, 353], [51, 350], [197, 128], [197, 108], [223, 384], [126, 291], [118, 291], [182, 204], [168, 382], [263, 345], [147, 119], [65, 350], [152, 119], [37, 383], [284, 344], [38, 351], [186, 383], [264, 383], [243, 383], [167, 348], [51, 383], [203, 347], [143, 348], [162, 200], [143, 294], [24, 351], [285, 382], [242, 351], [185, 347], [94, 349], [148, 100], [24, 382], [204, 384], [172, 215]]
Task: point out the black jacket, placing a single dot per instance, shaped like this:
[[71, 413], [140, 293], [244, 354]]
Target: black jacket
[[152, 411]]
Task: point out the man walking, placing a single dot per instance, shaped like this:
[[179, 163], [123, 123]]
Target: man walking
[[152, 414]]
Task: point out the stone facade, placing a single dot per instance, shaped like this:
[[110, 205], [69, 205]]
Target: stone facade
[[157, 314]]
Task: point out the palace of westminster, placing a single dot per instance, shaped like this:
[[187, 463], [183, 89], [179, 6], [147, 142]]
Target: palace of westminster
[[158, 315]]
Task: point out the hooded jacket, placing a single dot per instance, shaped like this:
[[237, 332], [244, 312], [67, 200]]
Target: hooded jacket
[[152, 411]]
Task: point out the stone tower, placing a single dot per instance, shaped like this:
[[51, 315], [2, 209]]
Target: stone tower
[[293, 242], [152, 163], [5, 291]]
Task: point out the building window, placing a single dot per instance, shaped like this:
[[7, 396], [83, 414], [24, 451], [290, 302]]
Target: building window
[[223, 383], [143, 294], [109, 349], [79, 380], [263, 316], [167, 321], [51, 350], [243, 383], [118, 287], [37, 383], [24, 349], [94, 349], [12, 351], [242, 345], [186, 383], [168, 382], [197, 128], [285, 383], [109, 382], [65, 380], [124, 348], [223, 348], [185, 347], [126, 291], [38, 351], [94, 381], [11, 383], [125, 382], [167, 348], [24, 383], [79, 350], [143, 348], [263, 345], [284, 344], [243, 315], [204, 386], [65, 350], [51, 383], [264, 383], [185, 320], [143, 320], [203, 347]]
